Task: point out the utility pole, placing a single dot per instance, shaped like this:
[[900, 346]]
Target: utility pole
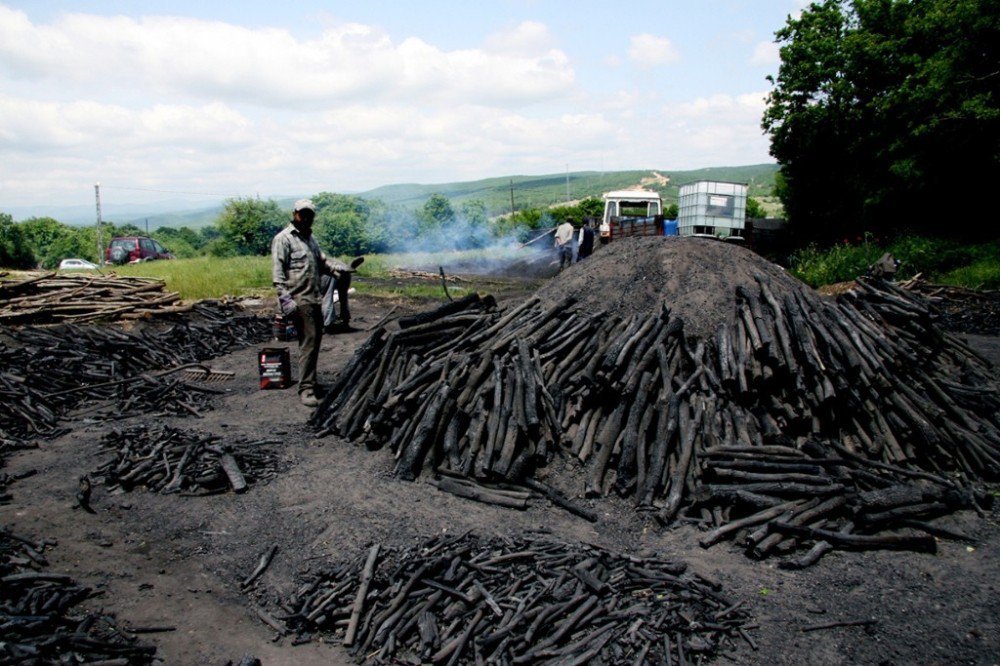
[[147, 226], [100, 232], [567, 183], [512, 198]]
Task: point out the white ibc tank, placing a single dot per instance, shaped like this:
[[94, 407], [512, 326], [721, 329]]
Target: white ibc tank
[[712, 208]]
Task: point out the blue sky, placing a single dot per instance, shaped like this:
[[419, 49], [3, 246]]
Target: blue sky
[[265, 98]]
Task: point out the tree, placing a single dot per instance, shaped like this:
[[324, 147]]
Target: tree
[[879, 104], [671, 211], [754, 209], [248, 225], [15, 252], [437, 212]]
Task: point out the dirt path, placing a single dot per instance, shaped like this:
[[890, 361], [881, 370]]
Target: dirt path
[[170, 560]]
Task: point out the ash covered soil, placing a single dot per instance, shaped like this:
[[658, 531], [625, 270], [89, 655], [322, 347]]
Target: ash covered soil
[[167, 560]]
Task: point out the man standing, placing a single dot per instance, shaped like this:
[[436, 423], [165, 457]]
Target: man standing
[[564, 244], [585, 244], [297, 265]]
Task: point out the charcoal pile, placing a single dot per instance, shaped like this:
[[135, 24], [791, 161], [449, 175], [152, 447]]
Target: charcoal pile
[[170, 460], [963, 310], [50, 297], [655, 357], [41, 618], [49, 371], [464, 600]]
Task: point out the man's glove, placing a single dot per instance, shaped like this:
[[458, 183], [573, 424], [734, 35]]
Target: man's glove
[[287, 305]]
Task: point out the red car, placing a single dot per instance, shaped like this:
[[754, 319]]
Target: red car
[[130, 249]]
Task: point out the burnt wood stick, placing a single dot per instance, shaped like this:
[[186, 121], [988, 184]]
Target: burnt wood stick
[[760, 320], [456, 646], [668, 414], [924, 510], [591, 435], [232, 470], [558, 499], [751, 328], [804, 517], [637, 343], [802, 335], [784, 489], [770, 513], [752, 465], [502, 322], [818, 550], [359, 598], [736, 497], [689, 427], [265, 562], [530, 392], [475, 380], [518, 329], [605, 441], [609, 336], [630, 443], [413, 455], [462, 304], [632, 327], [780, 327], [645, 356], [732, 475], [920, 544], [481, 493], [934, 530]]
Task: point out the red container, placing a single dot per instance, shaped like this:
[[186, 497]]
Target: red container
[[275, 366]]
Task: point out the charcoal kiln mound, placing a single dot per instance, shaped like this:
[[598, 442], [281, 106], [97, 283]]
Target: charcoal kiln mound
[[702, 383], [695, 277]]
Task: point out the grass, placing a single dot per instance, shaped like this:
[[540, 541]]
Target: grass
[[208, 277], [976, 266]]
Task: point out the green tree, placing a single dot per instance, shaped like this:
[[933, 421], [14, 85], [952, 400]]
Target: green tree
[[248, 225], [592, 207], [15, 251], [436, 213], [671, 211], [754, 209], [879, 104]]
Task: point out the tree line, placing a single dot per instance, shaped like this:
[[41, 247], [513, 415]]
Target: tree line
[[345, 225]]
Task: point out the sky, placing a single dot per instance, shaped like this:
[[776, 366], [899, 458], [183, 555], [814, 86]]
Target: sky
[[230, 99]]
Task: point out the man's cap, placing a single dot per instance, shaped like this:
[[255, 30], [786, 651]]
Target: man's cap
[[304, 204]]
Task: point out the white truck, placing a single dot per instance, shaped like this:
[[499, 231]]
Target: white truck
[[631, 213]]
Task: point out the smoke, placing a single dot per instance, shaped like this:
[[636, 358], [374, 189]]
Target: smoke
[[463, 245]]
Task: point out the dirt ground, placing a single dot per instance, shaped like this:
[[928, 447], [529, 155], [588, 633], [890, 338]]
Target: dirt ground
[[178, 561]]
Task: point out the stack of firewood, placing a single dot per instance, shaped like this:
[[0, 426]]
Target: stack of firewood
[[49, 371], [41, 619], [51, 297], [169, 460], [464, 600], [495, 394]]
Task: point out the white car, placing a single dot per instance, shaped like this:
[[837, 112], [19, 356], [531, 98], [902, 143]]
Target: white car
[[76, 265]]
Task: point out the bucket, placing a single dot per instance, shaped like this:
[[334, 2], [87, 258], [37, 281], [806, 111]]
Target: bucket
[[275, 368]]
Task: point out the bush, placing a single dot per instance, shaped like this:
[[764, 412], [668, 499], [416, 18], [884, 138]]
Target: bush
[[840, 263]]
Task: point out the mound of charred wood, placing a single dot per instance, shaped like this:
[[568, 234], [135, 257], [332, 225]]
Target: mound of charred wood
[[493, 394], [52, 297], [41, 621], [49, 371], [960, 309], [169, 460], [464, 600]]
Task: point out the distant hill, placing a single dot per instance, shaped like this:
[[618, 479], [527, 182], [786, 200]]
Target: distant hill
[[529, 192], [546, 190]]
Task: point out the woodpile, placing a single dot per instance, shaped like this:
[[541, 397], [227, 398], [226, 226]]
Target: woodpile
[[711, 429], [170, 460], [49, 371], [51, 297], [41, 621], [974, 311], [465, 600]]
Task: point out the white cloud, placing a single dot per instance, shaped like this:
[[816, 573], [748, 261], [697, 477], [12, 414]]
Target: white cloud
[[648, 50], [765, 53], [270, 67]]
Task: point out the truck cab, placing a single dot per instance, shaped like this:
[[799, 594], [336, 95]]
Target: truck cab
[[631, 213]]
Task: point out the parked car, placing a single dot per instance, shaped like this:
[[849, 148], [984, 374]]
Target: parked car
[[130, 249], [76, 265]]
